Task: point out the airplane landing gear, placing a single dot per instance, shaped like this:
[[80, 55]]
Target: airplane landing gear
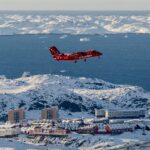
[[84, 60], [75, 61]]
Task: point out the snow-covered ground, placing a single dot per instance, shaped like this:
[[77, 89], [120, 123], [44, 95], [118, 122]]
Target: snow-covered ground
[[11, 144], [72, 95], [16, 23], [128, 140], [132, 140], [76, 98]]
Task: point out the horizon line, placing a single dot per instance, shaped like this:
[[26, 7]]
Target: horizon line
[[76, 10]]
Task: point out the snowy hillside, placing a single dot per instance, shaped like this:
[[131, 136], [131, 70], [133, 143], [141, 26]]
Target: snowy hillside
[[78, 24], [70, 94]]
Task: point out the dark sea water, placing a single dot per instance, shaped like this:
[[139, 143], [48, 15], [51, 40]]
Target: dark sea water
[[126, 59]]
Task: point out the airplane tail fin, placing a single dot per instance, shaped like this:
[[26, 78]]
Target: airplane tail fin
[[54, 51]]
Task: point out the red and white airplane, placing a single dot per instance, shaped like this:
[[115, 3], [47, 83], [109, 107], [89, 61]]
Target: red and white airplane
[[73, 56]]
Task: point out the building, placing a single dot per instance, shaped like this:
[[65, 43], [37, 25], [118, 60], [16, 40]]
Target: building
[[91, 129], [99, 112], [50, 113], [119, 114], [115, 114], [118, 128], [16, 116], [47, 131], [7, 130]]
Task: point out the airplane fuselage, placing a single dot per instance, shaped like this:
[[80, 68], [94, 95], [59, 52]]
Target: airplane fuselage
[[77, 56]]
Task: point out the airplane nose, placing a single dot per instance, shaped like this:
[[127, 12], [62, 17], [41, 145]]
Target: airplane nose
[[100, 53]]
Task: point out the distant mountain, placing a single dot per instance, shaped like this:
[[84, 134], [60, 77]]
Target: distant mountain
[[68, 93]]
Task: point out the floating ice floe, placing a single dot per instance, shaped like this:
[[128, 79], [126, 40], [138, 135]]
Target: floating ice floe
[[43, 37], [62, 71], [126, 36], [105, 36], [84, 39], [63, 36]]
